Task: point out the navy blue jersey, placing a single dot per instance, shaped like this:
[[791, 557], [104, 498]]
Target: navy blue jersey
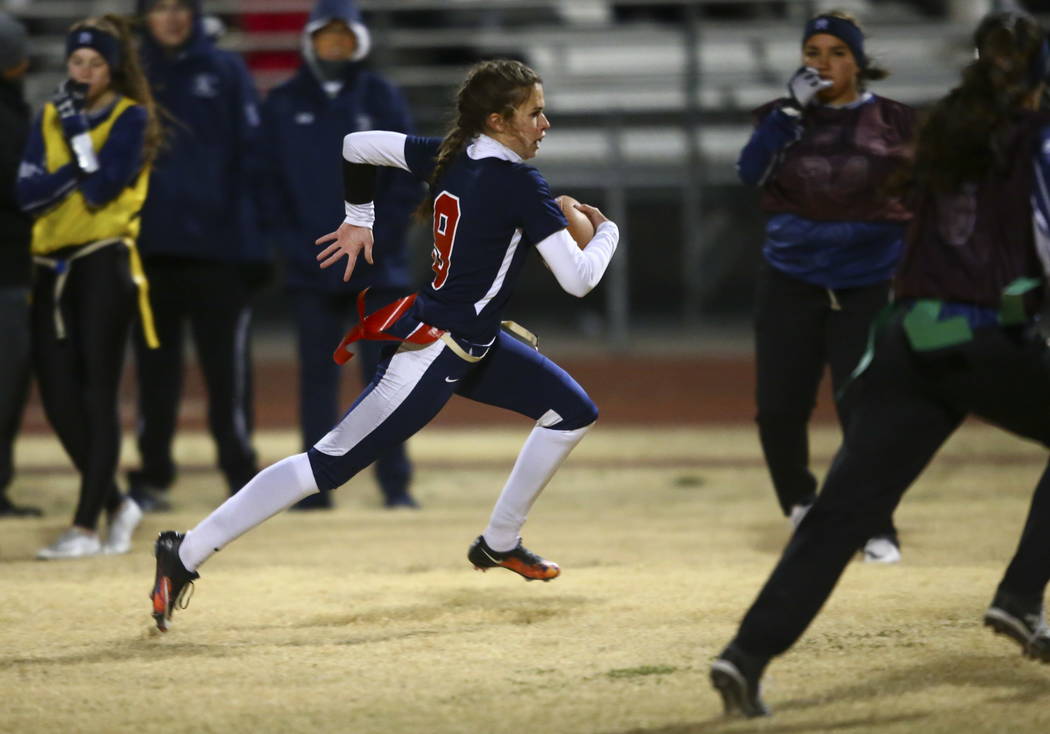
[[488, 213]]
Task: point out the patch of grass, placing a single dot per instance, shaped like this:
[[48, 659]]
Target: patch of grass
[[641, 670]]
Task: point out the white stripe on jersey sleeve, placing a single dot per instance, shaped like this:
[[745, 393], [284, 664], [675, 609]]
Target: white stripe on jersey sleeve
[[578, 271], [377, 147], [501, 275]]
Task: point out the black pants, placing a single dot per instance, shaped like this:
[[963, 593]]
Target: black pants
[[14, 373], [79, 375], [211, 297], [800, 329], [321, 320], [901, 410]]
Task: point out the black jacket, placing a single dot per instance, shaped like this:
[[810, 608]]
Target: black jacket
[[15, 226]]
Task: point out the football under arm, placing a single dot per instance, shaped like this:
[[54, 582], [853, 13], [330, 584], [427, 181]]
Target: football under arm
[[362, 152], [578, 271]]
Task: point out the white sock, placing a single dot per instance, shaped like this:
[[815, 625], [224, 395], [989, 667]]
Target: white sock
[[544, 451], [275, 488]]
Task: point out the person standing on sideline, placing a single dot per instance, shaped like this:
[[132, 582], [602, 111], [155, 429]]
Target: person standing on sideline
[[305, 118], [489, 211], [15, 263], [961, 339], [822, 157], [84, 177], [198, 234]]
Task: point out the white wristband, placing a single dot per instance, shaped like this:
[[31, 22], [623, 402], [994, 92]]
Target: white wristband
[[360, 215]]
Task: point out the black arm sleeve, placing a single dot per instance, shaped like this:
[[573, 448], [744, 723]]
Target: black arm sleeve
[[359, 182]]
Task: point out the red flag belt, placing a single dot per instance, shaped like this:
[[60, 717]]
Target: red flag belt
[[373, 327]]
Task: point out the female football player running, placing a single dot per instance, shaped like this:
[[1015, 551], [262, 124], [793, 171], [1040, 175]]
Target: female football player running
[[488, 209]]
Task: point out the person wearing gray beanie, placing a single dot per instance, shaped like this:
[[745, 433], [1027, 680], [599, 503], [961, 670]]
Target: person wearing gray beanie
[[14, 43], [15, 235]]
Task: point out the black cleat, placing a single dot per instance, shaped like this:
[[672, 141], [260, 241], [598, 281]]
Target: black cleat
[[172, 579], [518, 559], [737, 676], [1023, 622]]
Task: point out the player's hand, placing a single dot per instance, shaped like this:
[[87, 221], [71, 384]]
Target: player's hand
[[804, 86], [593, 213], [349, 240], [70, 97]]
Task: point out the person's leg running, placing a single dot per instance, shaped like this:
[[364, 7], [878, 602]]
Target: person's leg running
[[894, 430], [517, 377], [1010, 387], [272, 490], [789, 363], [393, 470], [408, 392]]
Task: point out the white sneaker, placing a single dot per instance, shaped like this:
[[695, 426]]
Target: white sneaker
[[798, 512], [881, 549], [121, 525], [73, 543]]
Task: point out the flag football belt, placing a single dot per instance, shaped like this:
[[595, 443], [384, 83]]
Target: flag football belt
[[373, 327], [62, 265], [927, 331]]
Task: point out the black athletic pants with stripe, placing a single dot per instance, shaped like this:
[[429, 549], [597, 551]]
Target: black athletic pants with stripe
[[79, 375], [901, 410], [212, 299], [799, 331]]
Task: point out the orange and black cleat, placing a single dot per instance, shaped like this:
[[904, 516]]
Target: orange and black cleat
[[172, 581], [518, 559]]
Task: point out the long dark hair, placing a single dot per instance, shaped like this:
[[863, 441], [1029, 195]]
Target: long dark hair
[[961, 140], [496, 86], [128, 78]]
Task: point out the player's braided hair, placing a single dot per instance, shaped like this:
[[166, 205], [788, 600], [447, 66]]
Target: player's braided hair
[[497, 86], [961, 139], [128, 78]]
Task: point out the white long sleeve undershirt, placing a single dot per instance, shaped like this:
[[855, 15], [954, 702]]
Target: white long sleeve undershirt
[[577, 271], [378, 148]]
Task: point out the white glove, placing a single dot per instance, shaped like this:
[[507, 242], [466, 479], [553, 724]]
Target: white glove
[[804, 85]]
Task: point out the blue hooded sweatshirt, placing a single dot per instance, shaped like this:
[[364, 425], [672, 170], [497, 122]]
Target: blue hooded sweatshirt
[[203, 191], [305, 120]]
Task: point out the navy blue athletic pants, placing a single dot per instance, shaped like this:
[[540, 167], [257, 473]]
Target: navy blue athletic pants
[[413, 384]]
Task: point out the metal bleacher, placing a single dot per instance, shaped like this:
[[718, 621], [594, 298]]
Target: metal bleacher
[[636, 105]]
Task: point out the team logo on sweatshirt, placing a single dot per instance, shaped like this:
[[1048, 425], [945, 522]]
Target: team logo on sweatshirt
[[206, 85], [304, 118]]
